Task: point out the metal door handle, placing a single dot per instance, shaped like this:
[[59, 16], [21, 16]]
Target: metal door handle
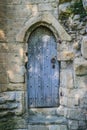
[[53, 60]]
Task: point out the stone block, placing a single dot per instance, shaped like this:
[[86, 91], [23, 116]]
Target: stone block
[[82, 125], [13, 28], [84, 4], [14, 12], [8, 106], [10, 1], [3, 114], [20, 102], [63, 101], [36, 1], [60, 110], [3, 78], [3, 87], [45, 7], [12, 101], [80, 66], [84, 47], [15, 78], [73, 125], [75, 114], [2, 68], [3, 57], [47, 127], [65, 56], [80, 82], [11, 48], [67, 65], [16, 87], [69, 101], [66, 77], [63, 8], [83, 102], [12, 87], [73, 99]]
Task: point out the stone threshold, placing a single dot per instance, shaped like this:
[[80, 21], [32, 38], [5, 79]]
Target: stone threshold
[[43, 111], [45, 116], [46, 120]]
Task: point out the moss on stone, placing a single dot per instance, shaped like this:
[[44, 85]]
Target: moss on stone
[[7, 124], [75, 9]]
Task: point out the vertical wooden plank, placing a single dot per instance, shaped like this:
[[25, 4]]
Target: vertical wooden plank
[[31, 85]]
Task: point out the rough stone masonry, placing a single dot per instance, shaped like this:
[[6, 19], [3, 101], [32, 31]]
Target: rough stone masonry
[[68, 19]]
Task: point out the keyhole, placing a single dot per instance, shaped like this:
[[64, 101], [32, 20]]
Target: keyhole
[[53, 66]]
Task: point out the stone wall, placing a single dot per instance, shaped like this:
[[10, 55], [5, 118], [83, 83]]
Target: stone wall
[[72, 55]]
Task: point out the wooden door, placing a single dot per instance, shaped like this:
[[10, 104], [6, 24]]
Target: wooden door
[[43, 69]]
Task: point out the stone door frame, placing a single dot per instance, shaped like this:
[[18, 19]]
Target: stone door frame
[[41, 19]]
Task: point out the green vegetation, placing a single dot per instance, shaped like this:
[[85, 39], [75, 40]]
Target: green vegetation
[[75, 9]]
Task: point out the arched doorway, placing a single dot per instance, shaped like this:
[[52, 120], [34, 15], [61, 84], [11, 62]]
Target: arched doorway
[[42, 69]]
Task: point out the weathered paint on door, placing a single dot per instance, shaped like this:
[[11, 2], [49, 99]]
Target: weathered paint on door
[[43, 69]]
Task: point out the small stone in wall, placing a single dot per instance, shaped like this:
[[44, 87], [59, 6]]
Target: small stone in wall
[[65, 56], [63, 8], [84, 47], [84, 4], [73, 125], [80, 66]]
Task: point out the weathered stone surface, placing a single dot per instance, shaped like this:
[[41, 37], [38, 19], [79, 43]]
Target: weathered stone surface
[[46, 7], [68, 98], [82, 125], [80, 66], [12, 87], [76, 17], [69, 102], [20, 100], [11, 48], [42, 111], [84, 4], [3, 78], [66, 78], [2, 68], [83, 102], [3, 87], [75, 114], [65, 56], [15, 78], [43, 17], [63, 8], [2, 114], [12, 101], [16, 87], [84, 47], [48, 127], [66, 64], [3, 57], [60, 110], [73, 125], [21, 123], [8, 106], [81, 82]]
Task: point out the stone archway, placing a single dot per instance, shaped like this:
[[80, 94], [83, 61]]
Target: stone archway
[[48, 19]]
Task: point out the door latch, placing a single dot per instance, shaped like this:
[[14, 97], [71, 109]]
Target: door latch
[[53, 61]]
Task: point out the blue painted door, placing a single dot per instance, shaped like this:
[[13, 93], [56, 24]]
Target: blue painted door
[[42, 69]]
